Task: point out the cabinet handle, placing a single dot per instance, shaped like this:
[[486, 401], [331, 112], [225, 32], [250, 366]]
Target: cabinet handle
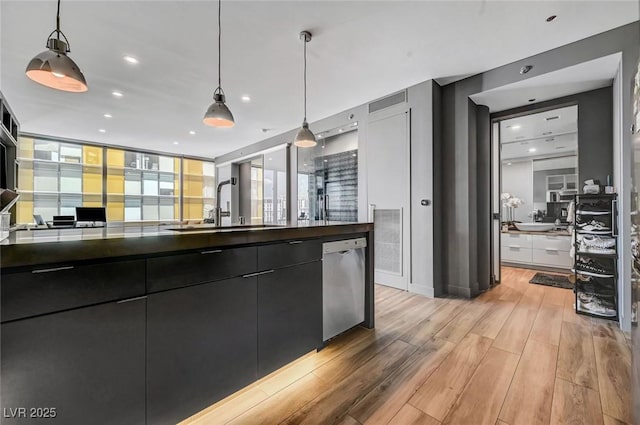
[[514, 246], [213, 251], [128, 300], [614, 222], [295, 242], [55, 269], [551, 249], [258, 273]]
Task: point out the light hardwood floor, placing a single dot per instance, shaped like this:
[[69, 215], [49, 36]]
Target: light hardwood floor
[[517, 354]]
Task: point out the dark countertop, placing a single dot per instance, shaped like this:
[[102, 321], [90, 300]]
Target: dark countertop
[[34, 247]]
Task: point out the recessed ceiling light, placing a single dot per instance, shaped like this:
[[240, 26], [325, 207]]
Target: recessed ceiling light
[[176, 143], [246, 98], [108, 116], [192, 132], [526, 69], [551, 18], [516, 127], [508, 163], [117, 93], [532, 149], [102, 130], [131, 59]]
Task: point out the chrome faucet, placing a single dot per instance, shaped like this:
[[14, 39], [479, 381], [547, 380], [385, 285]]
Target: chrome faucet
[[218, 209]]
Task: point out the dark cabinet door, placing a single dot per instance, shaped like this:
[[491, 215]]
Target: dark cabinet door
[[289, 315], [86, 364], [202, 346]]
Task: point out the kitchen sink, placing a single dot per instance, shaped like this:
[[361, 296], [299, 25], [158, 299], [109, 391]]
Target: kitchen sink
[[535, 227]]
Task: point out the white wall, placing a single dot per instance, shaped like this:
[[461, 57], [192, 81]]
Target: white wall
[[622, 181], [517, 179]]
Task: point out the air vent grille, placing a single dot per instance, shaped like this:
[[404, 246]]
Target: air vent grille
[[385, 102]]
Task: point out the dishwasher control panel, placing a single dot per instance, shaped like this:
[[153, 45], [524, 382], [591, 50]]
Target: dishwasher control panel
[[345, 245]]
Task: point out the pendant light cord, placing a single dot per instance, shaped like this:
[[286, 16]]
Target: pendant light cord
[[58, 20], [219, 45], [305, 79]]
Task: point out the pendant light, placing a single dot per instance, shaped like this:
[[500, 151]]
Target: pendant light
[[218, 114], [53, 68], [305, 138]]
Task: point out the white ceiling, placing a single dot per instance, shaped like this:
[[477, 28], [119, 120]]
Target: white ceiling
[[537, 136], [579, 78], [360, 51]]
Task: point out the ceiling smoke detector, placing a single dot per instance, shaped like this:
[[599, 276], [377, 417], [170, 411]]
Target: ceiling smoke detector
[[526, 69]]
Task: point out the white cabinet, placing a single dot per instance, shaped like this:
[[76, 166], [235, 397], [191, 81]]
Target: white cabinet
[[537, 250]]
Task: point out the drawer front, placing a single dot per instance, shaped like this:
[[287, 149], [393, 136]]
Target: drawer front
[[288, 253], [552, 258], [560, 243], [515, 239], [61, 287], [516, 254], [207, 265]]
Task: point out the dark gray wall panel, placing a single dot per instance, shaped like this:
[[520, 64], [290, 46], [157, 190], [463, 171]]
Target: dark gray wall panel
[[483, 190]]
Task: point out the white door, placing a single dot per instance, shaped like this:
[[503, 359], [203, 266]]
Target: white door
[[388, 195]]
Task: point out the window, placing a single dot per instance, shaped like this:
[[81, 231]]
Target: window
[[56, 177], [142, 186]]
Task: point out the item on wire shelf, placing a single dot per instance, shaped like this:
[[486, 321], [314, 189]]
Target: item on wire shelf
[[598, 208], [597, 244], [590, 267]]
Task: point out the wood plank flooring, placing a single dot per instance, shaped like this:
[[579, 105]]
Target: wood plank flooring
[[516, 354]]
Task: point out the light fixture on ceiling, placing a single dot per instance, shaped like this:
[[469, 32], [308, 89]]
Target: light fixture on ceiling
[[305, 138], [526, 69], [218, 114], [53, 68], [131, 59], [117, 94], [102, 130], [108, 116], [516, 127], [532, 150], [176, 143], [193, 133], [246, 98]]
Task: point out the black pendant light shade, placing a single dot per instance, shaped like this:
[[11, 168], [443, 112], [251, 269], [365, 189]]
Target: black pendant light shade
[[305, 137], [218, 114], [53, 68]]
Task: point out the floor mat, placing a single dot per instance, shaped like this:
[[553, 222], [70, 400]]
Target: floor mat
[[558, 281]]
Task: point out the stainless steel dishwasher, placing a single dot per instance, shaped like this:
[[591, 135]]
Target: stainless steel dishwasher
[[342, 285]]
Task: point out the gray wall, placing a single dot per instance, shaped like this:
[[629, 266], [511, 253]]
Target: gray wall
[[483, 141], [595, 130], [460, 147]]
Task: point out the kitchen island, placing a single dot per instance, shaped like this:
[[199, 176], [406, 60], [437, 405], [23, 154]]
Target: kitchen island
[[151, 324]]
